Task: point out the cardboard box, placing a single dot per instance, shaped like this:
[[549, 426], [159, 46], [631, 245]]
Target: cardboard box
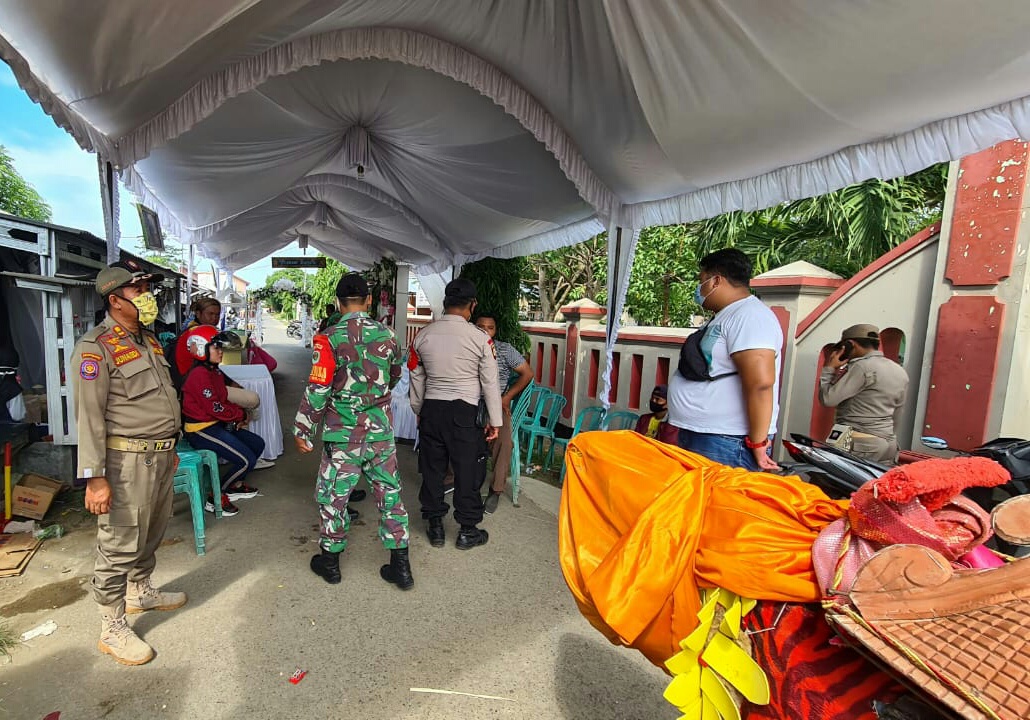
[[15, 552], [32, 496]]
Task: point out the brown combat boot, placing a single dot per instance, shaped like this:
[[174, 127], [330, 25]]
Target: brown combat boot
[[142, 596], [118, 640]]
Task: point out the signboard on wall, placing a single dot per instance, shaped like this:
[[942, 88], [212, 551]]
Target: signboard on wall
[[299, 262]]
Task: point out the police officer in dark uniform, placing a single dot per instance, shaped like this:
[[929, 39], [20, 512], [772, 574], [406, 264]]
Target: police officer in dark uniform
[[455, 366], [128, 421]]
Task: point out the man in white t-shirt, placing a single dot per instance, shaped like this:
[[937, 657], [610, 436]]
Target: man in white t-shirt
[[727, 411]]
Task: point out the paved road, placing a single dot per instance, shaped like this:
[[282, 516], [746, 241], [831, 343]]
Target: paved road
[[497, 620]]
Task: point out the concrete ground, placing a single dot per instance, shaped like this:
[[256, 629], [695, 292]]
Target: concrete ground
[[497, 620]]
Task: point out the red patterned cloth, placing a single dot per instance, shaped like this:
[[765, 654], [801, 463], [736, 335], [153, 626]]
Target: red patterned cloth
[[809, 677]]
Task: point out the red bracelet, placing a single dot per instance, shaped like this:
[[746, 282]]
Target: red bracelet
[[756, 446]]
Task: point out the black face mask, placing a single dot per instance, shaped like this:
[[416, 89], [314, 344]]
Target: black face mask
[[657, 407]]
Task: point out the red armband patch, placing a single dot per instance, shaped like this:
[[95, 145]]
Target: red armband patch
[[413, 359], [323, 361]]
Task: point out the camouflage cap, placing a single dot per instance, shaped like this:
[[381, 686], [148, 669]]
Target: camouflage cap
[[122, 273]]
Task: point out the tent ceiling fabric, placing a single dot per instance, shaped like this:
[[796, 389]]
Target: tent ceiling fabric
[[507, 127]]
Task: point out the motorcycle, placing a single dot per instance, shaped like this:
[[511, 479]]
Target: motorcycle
[[836, 472], [293, 330], [839, 473]]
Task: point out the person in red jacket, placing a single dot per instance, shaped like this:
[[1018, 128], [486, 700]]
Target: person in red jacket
[[214, 423]]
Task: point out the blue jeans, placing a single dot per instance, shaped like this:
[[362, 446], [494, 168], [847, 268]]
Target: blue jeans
[[726, 449], [240, 448]]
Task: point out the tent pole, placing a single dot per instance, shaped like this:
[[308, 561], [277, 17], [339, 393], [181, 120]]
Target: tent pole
[[109, 205]]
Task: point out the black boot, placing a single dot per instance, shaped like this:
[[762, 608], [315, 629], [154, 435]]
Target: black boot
[[357, 496], [354, 514], [470, 537], [435, 532], [327, 566], [398, 571]]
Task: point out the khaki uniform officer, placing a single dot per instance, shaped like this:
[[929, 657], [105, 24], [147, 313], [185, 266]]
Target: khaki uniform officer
[[868, 390], [128, 420], [454, 366]]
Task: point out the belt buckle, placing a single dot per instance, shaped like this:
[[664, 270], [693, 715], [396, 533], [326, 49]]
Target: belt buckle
[[163, 445]]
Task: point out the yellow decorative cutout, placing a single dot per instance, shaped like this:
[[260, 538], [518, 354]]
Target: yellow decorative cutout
[[708, 663]]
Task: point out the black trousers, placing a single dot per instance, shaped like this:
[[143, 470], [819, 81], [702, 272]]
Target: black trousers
[[448, 434]]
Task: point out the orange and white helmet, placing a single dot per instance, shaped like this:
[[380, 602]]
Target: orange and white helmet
[[202, 337]]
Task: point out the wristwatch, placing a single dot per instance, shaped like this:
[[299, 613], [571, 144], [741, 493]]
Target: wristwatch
[[756, 445]]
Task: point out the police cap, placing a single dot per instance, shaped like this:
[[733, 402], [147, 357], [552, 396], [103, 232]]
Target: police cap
[[461, 289]]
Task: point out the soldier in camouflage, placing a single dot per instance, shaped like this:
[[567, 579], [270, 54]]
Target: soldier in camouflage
[[355, 365]]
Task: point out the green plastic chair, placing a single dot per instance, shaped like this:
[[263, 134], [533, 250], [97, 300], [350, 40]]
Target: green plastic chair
[[621, 421], [589, 418], [518, 413], [545, 418], [187, 480], [536, 394], [194, 467]]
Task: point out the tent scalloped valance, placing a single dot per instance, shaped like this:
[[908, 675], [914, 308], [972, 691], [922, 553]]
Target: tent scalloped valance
[[404, 46], [340, 181]]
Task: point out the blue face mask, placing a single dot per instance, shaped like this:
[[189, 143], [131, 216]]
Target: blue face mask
[[699, 298]]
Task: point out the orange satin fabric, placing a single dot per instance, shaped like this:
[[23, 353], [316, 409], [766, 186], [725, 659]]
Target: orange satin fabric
[[643, 523]]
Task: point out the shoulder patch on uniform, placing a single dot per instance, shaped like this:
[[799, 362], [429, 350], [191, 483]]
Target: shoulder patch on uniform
[[91, 356], [493, 347], [114, 343], [155, 345], [90, 367], [413, 359], [323, 361]]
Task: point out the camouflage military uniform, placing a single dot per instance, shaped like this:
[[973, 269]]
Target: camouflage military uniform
[[354, 368]]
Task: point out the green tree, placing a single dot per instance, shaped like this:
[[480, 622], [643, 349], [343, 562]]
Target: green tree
[[283, 302], [172, 257], [17, 197], [498, 283], [842, 231], [556, 278], [323, 285]]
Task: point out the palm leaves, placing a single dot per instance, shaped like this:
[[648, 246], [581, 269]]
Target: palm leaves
[[841, 231]]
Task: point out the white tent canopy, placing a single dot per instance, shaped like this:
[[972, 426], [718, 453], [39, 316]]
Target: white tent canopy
[[510, 126], [439, 131]]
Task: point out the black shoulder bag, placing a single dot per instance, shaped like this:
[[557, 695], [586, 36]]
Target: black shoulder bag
[[693, 364]]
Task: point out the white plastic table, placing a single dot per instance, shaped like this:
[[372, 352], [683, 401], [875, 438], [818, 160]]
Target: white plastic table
[[267, 424]]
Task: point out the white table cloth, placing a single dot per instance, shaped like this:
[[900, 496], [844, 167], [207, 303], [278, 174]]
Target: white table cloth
[[405, 425], [267, 424]]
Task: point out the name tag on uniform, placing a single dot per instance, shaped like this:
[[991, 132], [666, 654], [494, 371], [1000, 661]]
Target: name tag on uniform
[[127, 355]]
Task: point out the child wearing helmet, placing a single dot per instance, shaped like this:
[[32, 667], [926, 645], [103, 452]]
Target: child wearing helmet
[[212, 421]]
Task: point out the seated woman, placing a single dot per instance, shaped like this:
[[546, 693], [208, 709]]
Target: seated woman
[[213, 422], [203, 311]]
